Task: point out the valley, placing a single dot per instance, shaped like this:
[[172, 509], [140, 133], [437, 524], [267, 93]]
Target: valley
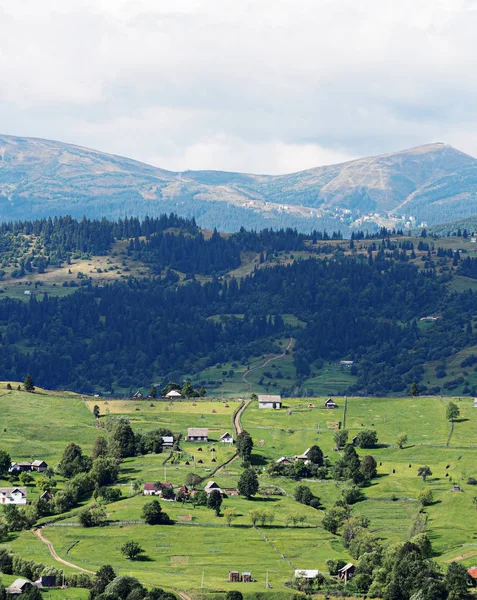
[[199, 550]]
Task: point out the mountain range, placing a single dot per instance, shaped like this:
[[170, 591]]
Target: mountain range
[[430, 184]]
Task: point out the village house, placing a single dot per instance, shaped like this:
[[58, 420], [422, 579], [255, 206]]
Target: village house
[[19, 586], [347, 572], [13, 495], [211, 486], [346, 363], [19, 467], [284, 461], [269, 401], [304, 456], [174, 395], [227, 438], [138, 395], [46, 495], [475, 402], [39, 465], [330, 403], [306, 573], [151, 489], [167, 441], [46, 581], [197, 434]]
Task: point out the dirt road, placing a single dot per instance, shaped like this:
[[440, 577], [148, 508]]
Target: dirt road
[[267, 362], [53, 553]]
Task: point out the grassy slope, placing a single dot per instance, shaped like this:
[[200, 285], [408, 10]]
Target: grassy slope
[[205, 543]]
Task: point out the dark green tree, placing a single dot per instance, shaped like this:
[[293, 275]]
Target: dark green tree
[[414, 390], [104, 576], [100, 448], [244, 446], [122, 442], [315, 455], [153, 392], [28, 383], [457, 581], [424, 472], [73, 461], [367, 438], [131, 550], [153, 514], [452, 412], [96, 411], [214, 501], [248, 484], [5, 462]]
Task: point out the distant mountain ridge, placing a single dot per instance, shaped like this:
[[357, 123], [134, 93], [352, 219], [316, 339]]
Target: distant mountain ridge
[[433, 184]]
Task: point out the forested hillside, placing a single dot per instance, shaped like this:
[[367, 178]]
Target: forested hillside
[[211, 303]]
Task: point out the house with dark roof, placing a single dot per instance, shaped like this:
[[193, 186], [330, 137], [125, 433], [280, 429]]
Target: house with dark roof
[[211, 486], [227, 438]]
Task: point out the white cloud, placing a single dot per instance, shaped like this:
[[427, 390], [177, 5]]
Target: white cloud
[[256, 85]]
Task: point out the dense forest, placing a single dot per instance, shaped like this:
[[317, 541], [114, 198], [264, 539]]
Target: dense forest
[[135, 332]]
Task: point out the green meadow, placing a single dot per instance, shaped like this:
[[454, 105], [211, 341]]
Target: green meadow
[[200, 549]]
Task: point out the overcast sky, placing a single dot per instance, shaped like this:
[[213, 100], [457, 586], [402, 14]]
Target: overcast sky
[[268, 86]]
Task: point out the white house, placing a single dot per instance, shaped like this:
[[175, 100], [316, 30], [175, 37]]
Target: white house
[[475, 402], [173, 394], [167, 441], [330, 403], [227, 438], [306, 573], [269, 401], [211, 486], [13, 495]]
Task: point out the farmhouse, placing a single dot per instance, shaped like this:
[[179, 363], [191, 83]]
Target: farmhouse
[[269, 401], [472, 572], [39, 465], [138, 396], [13, 495], [46, 581], [167, 441], [347, 572], [173, 395], [197, 434], [19, 467], [303, 456], [19, 586], [150, 489], [346, 363], [330, 403], [227, 438], [284, 461], [306, 574], [211, 486]]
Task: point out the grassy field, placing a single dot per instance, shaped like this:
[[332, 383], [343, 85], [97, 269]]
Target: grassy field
[[201, 546]]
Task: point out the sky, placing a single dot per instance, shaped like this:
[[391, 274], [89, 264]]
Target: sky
[[262, 86]]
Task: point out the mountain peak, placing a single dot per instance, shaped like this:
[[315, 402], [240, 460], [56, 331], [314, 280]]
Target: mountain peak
[[431, 182]]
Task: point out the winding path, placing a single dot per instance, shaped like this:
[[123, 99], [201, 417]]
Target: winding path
[[53, 553], [238, 430], [267, 362]]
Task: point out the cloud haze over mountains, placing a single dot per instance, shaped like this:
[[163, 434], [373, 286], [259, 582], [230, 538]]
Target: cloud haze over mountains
[[263, 86]]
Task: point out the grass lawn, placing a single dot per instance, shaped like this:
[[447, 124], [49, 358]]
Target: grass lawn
[[201, 544]]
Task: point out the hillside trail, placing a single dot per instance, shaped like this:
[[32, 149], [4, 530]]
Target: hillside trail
[[53, 553], [267, 362], [238, 430], [49, 545]]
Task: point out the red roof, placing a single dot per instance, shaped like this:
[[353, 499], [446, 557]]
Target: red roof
[[472, 572], [150, 487]]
